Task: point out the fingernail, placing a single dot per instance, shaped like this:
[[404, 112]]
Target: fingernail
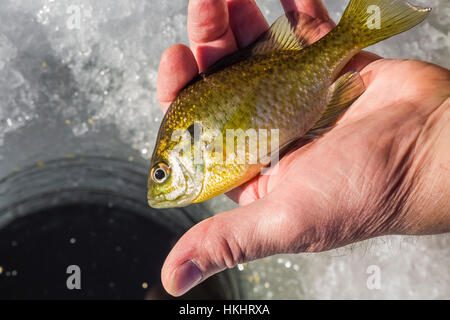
[[186, 277]]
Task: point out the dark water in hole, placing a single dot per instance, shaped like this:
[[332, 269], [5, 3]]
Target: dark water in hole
[[117, 251]]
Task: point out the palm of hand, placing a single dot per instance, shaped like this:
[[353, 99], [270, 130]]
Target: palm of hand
[[344, 187], [345, 183]]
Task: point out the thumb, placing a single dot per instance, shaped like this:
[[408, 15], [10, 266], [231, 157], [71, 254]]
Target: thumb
[[260, 229]]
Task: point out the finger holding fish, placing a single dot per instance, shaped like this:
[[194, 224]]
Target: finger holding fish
[[210, 37], [177, 67]]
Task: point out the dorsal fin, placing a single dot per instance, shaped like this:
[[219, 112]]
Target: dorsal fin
[[292, 31]]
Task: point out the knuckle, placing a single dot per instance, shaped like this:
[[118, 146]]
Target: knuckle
[[208, 20], [220, 245], [206, 32]]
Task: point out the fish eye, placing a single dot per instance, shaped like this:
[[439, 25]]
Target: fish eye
[[160, 173]]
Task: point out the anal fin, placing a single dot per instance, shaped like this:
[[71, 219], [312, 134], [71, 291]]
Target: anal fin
[[342, 93]]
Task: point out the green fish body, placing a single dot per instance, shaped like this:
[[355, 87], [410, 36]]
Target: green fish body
[[282, 86]]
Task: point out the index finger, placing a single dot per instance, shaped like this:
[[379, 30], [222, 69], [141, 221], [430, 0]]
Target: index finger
[[176, 68], [246, 21]]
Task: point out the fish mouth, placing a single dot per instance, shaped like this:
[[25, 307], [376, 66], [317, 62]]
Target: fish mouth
[[155, 204], [163, 201], [160, 202]]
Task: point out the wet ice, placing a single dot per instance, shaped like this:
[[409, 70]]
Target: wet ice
[[86, 84]]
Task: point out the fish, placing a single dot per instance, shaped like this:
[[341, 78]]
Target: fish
[[282, 89]]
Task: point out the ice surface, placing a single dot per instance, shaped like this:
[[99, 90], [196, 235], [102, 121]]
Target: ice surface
[[78, 77]]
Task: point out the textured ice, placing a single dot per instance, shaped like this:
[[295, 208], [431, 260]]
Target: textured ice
[[78, 77]]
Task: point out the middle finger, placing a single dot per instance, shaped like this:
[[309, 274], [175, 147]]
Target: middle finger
[[246, 21], [210, 34]]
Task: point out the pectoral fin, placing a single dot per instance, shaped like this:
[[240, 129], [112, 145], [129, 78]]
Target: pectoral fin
[[341, 95]]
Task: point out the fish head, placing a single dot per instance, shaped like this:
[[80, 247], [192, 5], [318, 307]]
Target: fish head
[[174, 180]]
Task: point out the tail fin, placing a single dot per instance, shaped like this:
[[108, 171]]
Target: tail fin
[[376, 20]]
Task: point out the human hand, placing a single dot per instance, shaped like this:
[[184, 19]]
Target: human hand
[[384, 168]]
